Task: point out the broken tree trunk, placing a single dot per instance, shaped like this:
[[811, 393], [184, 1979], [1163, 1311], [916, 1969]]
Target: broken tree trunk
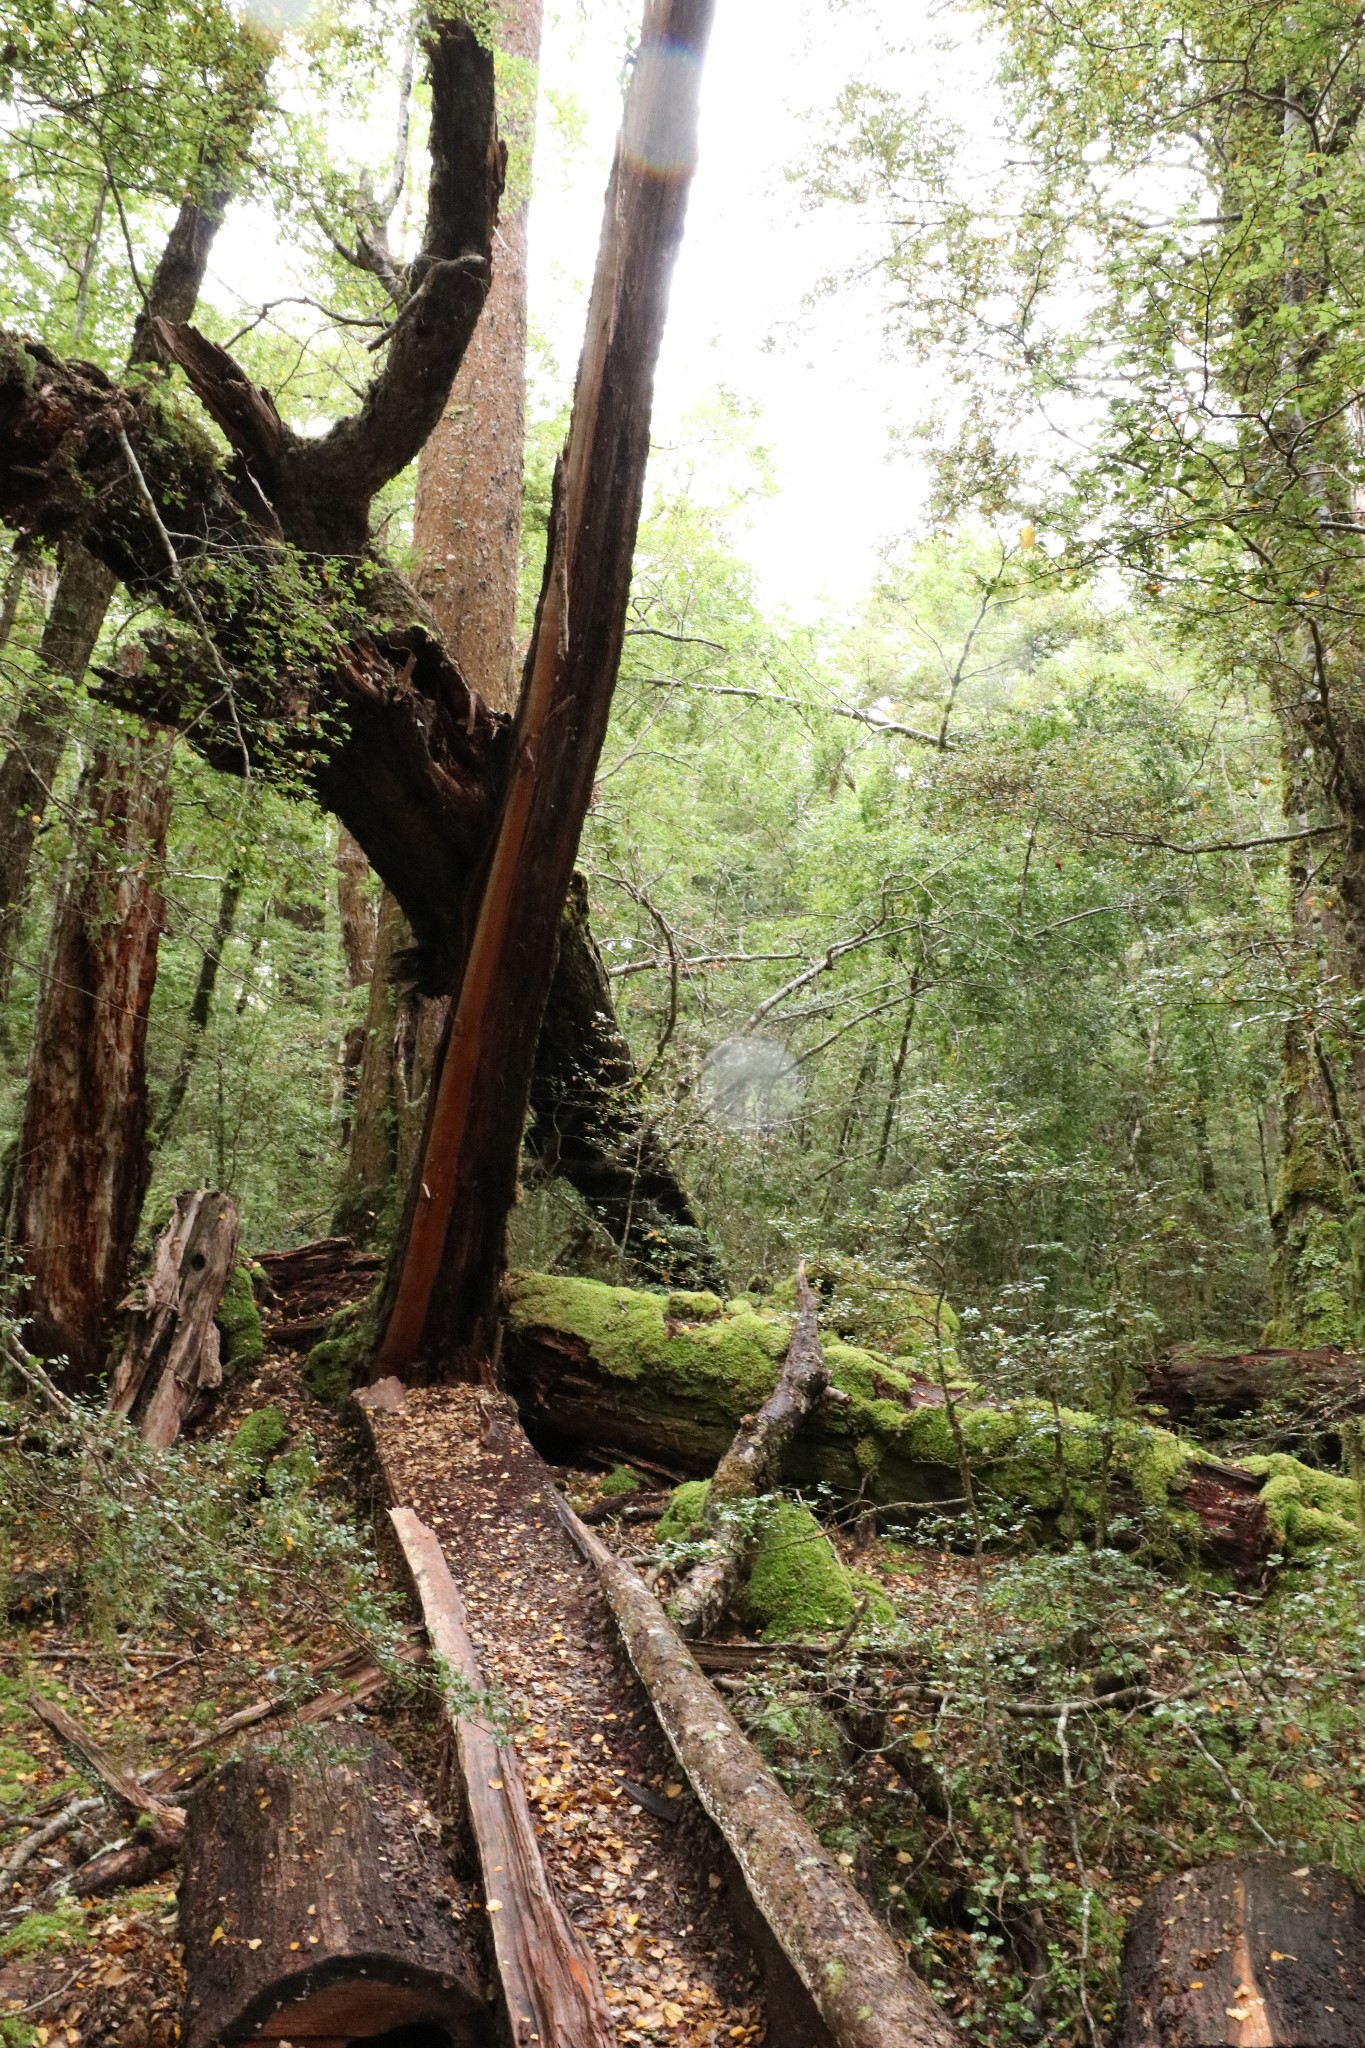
[[1308, 1392], [316, 1906], [837, 1946], [443, 1303], [644, 1377], [752, 1466], [171, 1356], [83, 1160], [1247, 1953], [549, 1978]]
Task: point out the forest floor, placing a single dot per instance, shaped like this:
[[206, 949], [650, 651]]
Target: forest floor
[[1245, 1724]]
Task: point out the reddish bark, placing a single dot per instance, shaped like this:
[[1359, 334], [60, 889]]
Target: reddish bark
[[443, 1305], [83, 1159]]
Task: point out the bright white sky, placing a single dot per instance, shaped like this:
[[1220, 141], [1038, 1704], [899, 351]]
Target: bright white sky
[[825, 389]]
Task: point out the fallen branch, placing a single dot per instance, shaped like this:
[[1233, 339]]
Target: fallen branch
[[751, 1467], [133, 1797], [554, 1995], [42, 1838], [839, 1949]]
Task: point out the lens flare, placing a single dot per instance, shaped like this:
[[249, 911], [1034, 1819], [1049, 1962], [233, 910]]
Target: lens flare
[[660, 133], [751, 1084]]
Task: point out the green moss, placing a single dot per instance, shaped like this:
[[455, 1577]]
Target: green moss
[[877, 1310], [886, 1443], [681, 1521], [682, 1307], [64, 1927], [797, 1582], [242, 1343], [257, 1438], [334, 1368], [620, 1480], [1305, 1507]]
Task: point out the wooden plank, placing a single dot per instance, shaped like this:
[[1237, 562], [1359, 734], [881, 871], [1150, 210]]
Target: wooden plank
[[839, 1949], [549, 1978]]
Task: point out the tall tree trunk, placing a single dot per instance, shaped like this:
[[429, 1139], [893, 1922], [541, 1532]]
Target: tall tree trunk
[[201, 1004], [442, 1307], [83, 1158], [84, 589]]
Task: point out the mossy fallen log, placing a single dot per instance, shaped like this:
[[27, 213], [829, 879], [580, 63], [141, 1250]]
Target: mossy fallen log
[[669, 1378]]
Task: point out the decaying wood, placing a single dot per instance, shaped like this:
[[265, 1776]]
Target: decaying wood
[[839, 1949], [549, 1978], [306, 1286], [22, 1854], [316, 1906], [752, 1466], [134, 1798], [83, 1162], [575, 1402], [443, 1306], [1310, 1391], [146, 1855], [171, 1357], [1248, 1953]]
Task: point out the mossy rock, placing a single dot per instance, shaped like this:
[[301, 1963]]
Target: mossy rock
[[256, 1440], [682, 1519], [620, 1480], [241, 1339], [1306, 1508]]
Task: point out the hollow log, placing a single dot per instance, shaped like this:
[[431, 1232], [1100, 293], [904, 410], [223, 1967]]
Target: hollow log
[[549, 1978], [752, 1466], [835, 1943], [1309, 1391], [1247, 1953], [306, 1286], [641, 1376], [171, 1357], [316, 1906]]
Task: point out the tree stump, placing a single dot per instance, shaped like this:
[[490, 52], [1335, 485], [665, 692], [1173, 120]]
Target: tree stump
[[172, 1353], [1247, 1953], [316, 1906]]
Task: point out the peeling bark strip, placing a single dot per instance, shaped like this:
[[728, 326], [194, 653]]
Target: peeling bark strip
[[172, 1338], [839, 1949], [83, 1160], [554, 1994], [1248, 1953], [752, 1466], [316, 1906], [444, 1302]]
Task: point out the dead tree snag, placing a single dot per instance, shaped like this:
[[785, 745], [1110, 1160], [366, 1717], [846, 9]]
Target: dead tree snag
[[443, 1303], [172, 1352]]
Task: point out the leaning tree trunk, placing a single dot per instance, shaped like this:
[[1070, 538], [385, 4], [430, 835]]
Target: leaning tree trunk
[[751, 1467], [442, 1308], [1248, 1953], [83, 1158], [316, 1905]]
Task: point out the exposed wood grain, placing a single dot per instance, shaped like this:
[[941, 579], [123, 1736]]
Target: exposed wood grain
[[549, 1979]]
